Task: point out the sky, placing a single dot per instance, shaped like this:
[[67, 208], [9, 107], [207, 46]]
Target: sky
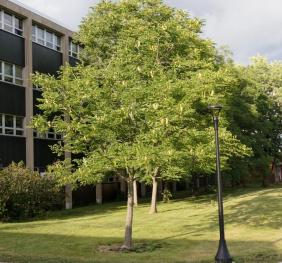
[[248, 27]]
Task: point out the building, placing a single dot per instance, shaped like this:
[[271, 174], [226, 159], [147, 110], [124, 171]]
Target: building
[[29, 42]]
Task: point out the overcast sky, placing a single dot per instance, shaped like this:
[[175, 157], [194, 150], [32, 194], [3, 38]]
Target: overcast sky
[[248, 27]]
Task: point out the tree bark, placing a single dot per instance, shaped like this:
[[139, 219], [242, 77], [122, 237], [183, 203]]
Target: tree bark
[[135, 193], [68, 196], [153, 208], [68, 187], [99, 193], [128, 244]]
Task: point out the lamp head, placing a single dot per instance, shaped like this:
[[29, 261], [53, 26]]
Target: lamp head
[[215, 110]]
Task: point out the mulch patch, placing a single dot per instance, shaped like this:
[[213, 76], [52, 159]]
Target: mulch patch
[[137, 248]]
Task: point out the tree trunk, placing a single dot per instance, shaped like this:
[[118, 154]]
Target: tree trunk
[[135, 193], [68, 187], [127, 245], [99, 193], [153, 208], [68, 196]]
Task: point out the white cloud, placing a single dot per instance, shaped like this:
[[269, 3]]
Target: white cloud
[[66, 12], [249, 27]]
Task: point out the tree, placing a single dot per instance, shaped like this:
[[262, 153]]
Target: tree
[[265, 79], [255, 117], [137, 97]]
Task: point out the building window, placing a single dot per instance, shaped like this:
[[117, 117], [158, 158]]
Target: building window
[[10, 23], [46, 38], [11, 125], [74, 49], [50, 135], [11, 73]]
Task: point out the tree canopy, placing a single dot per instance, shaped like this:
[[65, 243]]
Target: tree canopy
[[254, 114], [138, 100]]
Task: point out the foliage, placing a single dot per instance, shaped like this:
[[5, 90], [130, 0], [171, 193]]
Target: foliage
[[254, 114], [24, 193], [166, 194], [138, 100]]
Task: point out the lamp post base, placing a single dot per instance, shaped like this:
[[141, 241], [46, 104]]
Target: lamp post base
[[222, 255]]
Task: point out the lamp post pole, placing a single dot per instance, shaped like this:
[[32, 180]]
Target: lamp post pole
[[222, 255]]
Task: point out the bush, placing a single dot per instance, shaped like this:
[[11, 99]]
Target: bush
[[24, 193], [166, 195]]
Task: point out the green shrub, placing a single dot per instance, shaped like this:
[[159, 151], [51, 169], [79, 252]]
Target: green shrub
[[24, 193], [166, 194]]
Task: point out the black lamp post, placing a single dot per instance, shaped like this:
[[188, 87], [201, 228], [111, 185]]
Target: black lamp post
[[222, 255]]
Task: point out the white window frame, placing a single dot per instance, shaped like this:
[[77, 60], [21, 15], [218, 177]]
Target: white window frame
[[45, 135], [55, 45], [71, 53], [13, 77], [14, 129], [14, 28]]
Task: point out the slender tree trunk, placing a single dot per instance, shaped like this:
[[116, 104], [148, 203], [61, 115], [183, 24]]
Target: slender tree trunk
[[153, 208], [68, 187], [68, 196], [135, 193], [127, 245]]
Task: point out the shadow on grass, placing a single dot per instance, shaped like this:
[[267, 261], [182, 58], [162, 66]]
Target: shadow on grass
[[231, 193], [262, 209], [80, 212], [256, 207], [59, 217], [50, 248]]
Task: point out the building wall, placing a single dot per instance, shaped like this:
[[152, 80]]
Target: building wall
[[21, 100]]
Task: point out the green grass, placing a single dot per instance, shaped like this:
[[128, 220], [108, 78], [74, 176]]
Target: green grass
[[186, 231]]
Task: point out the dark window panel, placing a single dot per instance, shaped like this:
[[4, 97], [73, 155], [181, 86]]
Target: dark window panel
[[43, 155], [46, 60], [12, 149], [12, 99], [12, 48]]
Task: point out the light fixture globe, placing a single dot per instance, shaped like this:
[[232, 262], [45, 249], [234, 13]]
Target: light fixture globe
[[215, 110]]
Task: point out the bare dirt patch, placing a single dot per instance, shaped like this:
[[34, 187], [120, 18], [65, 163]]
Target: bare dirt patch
[[137, 248]]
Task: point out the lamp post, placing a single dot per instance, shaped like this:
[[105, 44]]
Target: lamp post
[[222, 255]]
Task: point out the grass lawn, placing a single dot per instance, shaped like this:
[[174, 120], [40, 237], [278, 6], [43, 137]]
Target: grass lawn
[[184, 230]]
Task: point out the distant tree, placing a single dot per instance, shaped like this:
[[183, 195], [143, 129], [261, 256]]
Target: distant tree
[[255, 116], [137, 103]]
